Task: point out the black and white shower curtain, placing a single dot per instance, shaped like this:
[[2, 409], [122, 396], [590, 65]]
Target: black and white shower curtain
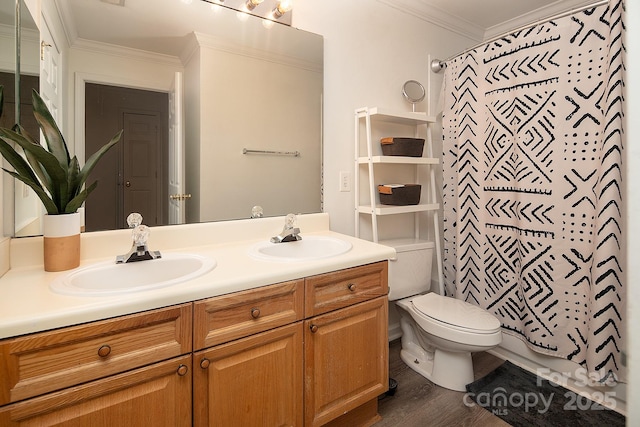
[[532, 143]]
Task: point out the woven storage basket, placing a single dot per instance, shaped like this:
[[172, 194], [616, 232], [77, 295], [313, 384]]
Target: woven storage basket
[[399, 194], [409, 147]]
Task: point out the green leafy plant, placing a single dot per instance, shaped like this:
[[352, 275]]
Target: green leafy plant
[[56, 178]]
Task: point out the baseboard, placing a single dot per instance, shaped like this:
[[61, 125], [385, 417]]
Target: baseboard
[[394, 332]]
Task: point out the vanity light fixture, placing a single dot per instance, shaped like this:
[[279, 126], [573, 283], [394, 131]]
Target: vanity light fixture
[[251, 4], [282, 7], [279, 11]]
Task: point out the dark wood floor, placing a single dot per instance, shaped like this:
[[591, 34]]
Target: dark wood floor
[[420, 403]]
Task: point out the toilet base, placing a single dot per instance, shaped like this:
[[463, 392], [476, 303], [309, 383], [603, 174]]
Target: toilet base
[[448, 369], [452, 370]]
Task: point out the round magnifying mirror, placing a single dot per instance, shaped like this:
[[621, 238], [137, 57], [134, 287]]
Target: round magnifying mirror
[[413, 91]]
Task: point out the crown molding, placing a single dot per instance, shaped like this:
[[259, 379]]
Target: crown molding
[[529, 18], [437, 16], [224, 45], [125, 52], [422, 10], [65, 16]]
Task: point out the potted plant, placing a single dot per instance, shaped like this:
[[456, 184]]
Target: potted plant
[[57, 180]]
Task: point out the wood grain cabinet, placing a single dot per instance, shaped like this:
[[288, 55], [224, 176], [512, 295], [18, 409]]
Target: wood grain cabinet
[[135, 367], [346, 346], [254, 381], [307, 352], [154, 395], [249, 369]]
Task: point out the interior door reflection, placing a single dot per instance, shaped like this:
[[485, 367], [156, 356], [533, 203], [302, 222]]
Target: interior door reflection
[[132, 177]]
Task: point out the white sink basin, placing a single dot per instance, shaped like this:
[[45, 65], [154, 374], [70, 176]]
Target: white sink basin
[[109, 278], [310, 248]]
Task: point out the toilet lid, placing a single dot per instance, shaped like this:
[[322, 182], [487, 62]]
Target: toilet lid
[[456, 313]]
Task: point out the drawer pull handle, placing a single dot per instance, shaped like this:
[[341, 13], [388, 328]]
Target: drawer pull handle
[[352, 287], [255, 312], [313, 328], [182, 370], [204, 363], [104, 351]]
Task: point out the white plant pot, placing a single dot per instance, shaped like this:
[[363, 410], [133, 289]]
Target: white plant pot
[[62, 241]]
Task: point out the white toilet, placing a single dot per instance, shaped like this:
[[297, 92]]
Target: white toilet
[[438, 333]]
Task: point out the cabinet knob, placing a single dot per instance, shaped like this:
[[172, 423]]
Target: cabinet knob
[[182, 370], [104, 351], [204, 363], [255, 312], [313, 328], [352, 287]]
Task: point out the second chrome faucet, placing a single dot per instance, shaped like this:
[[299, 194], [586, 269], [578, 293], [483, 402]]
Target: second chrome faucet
[[290, 233]]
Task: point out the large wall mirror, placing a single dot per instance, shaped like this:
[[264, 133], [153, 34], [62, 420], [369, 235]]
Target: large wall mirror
[[19, 72], [222, 111]]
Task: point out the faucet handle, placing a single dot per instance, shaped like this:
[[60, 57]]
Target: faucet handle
[[257, 212], [134, 219], [140, 235], [290, 221]]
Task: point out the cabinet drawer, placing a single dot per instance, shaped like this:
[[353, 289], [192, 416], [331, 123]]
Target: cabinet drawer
[[228, 317], [331, 291], [52, 360], [154, 395]]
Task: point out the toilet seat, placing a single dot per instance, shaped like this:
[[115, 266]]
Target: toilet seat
[[455, 314]]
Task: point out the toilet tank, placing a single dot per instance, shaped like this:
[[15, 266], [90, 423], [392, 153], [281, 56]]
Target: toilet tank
[[410, 272]]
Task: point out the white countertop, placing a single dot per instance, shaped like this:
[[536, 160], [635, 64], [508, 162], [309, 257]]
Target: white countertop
[[28, 305]]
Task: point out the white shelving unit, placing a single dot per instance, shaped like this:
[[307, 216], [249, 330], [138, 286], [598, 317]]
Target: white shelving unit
[[368, 160]]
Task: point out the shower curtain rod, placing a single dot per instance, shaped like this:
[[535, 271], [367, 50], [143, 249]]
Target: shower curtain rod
[[438, 64]]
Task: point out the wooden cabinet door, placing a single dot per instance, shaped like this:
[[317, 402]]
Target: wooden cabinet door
[[155, 395], [346, 360], [254, 381]]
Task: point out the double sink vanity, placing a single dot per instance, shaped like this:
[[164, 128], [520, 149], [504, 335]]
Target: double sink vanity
[[225, 329]]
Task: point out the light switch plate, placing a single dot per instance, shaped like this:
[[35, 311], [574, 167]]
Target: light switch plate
[[345, 181]]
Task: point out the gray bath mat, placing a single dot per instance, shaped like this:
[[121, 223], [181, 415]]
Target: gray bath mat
[[523, 399]]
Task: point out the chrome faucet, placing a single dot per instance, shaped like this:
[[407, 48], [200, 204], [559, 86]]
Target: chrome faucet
[[139, 250], [290, 233]]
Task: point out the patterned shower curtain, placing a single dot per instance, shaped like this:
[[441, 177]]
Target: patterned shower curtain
[[532, 142]]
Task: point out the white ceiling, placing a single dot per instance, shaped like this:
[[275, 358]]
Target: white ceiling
[[166, 27], [477, 19]]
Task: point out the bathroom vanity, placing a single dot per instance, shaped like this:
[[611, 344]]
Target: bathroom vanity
[[237, 346]]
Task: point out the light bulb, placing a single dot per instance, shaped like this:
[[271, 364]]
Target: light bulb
[[282, 7], [251, 4]]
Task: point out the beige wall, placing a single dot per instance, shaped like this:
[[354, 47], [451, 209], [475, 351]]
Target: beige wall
[[250, 87], [371, 49]]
